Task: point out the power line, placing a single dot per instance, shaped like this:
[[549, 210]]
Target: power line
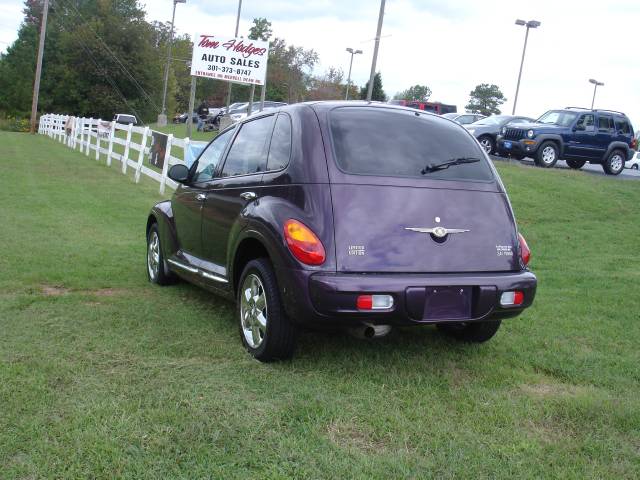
[[113, 55], [99, 67]]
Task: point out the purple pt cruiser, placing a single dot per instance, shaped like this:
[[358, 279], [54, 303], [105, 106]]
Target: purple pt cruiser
[[344, 214]]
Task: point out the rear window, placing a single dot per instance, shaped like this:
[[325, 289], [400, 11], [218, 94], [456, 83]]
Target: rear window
[[623, 126], [386, 142]]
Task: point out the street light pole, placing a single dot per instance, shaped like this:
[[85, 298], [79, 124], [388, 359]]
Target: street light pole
[[162, 118], [36, 83], [352, 52], [596, 84], [529, 24], [375, 51]]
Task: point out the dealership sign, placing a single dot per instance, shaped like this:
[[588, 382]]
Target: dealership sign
[[231, 59]]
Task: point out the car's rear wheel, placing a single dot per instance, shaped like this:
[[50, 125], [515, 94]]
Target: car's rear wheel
[[474, 332], [614, 164], [547, 155], [634, 166], [265, 330], [576, 164], [157, 270], [487, 143]]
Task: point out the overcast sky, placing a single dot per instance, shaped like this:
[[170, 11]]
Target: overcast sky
[[449, 45]]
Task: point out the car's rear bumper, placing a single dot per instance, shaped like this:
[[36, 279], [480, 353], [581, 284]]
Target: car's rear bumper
[[331, 297]]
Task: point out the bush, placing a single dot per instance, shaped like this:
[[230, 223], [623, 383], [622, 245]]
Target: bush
[[13, 124]]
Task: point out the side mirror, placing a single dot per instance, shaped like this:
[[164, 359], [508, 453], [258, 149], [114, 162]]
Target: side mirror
[[179, 173]]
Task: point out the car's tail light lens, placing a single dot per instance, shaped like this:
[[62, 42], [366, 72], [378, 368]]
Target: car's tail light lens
[[525, 253], [512, 299], [634, 143], [374, 302], [303, 243]]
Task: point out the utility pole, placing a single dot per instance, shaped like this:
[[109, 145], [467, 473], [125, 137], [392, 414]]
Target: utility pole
[[162, 118], [375, 51], [236, 36], [596, 84], [36, 83], [192, 101]]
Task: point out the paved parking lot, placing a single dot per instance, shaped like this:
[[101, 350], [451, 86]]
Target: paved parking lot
[[626, 174]]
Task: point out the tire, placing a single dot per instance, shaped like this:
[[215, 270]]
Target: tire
[[157, 269], [547, 155], [266, 331], [614, 164], [488, 144], [634, 166], [473, 332], [576, 164]]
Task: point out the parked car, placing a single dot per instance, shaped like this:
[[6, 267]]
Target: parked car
[[634, 163], [240, 113], [182, 118], [576, 135], [464, 118], [487, 129], [125, 119], [433, 107], [282, 212]]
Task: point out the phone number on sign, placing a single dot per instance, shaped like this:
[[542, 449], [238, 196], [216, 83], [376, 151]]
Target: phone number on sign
[[237, 71]]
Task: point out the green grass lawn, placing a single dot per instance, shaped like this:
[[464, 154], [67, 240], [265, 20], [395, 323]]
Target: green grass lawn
[[103, 375]]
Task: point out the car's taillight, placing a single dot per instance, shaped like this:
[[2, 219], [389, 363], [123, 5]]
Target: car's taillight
[[303, 243], [634, 144], [525, 253]]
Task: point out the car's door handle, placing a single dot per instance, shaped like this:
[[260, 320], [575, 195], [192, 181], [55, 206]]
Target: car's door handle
[[201, 197], [249, 195]]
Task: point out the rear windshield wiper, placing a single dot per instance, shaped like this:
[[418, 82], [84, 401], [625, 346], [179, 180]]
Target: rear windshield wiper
[[449, 163]]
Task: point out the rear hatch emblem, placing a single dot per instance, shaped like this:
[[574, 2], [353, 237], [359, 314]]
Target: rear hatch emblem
[[438, 232]]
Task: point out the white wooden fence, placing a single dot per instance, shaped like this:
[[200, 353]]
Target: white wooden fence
[[97, 137]]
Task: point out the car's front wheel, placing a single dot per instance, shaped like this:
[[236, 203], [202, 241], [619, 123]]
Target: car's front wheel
[[547, 155], [157, 269], [474, 332], [487, 143], [265, 330], [576, 164], [614, 164]]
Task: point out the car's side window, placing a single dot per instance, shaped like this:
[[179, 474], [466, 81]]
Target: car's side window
[[586, 123], [623, 126], [280, 149], [248, 153], [210, 158], [605, 123]]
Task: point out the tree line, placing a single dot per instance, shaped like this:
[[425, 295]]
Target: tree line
[[103, 57]]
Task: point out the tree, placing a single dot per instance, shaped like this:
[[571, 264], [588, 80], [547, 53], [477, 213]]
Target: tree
[[328, 86], [261, 29], [378, 94], [417, 93], [485, 99]]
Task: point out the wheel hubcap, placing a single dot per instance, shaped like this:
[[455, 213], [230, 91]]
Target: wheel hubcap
[[253, 310], [548, 155], [486, 144], [616, 163], [153, 255]]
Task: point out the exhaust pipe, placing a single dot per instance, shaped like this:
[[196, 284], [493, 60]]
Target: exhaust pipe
[[368, 331]]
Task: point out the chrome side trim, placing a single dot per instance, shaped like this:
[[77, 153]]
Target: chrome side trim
[[214, 277], [183, 266], [202, 273]]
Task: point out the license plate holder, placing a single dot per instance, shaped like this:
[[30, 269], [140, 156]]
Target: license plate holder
[[507, 145], [447, 303]]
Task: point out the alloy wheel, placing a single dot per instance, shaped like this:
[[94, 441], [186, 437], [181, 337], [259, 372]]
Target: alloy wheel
[[253, 310], [616, 163], [485, 143], [153, 255], [548, 155]]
